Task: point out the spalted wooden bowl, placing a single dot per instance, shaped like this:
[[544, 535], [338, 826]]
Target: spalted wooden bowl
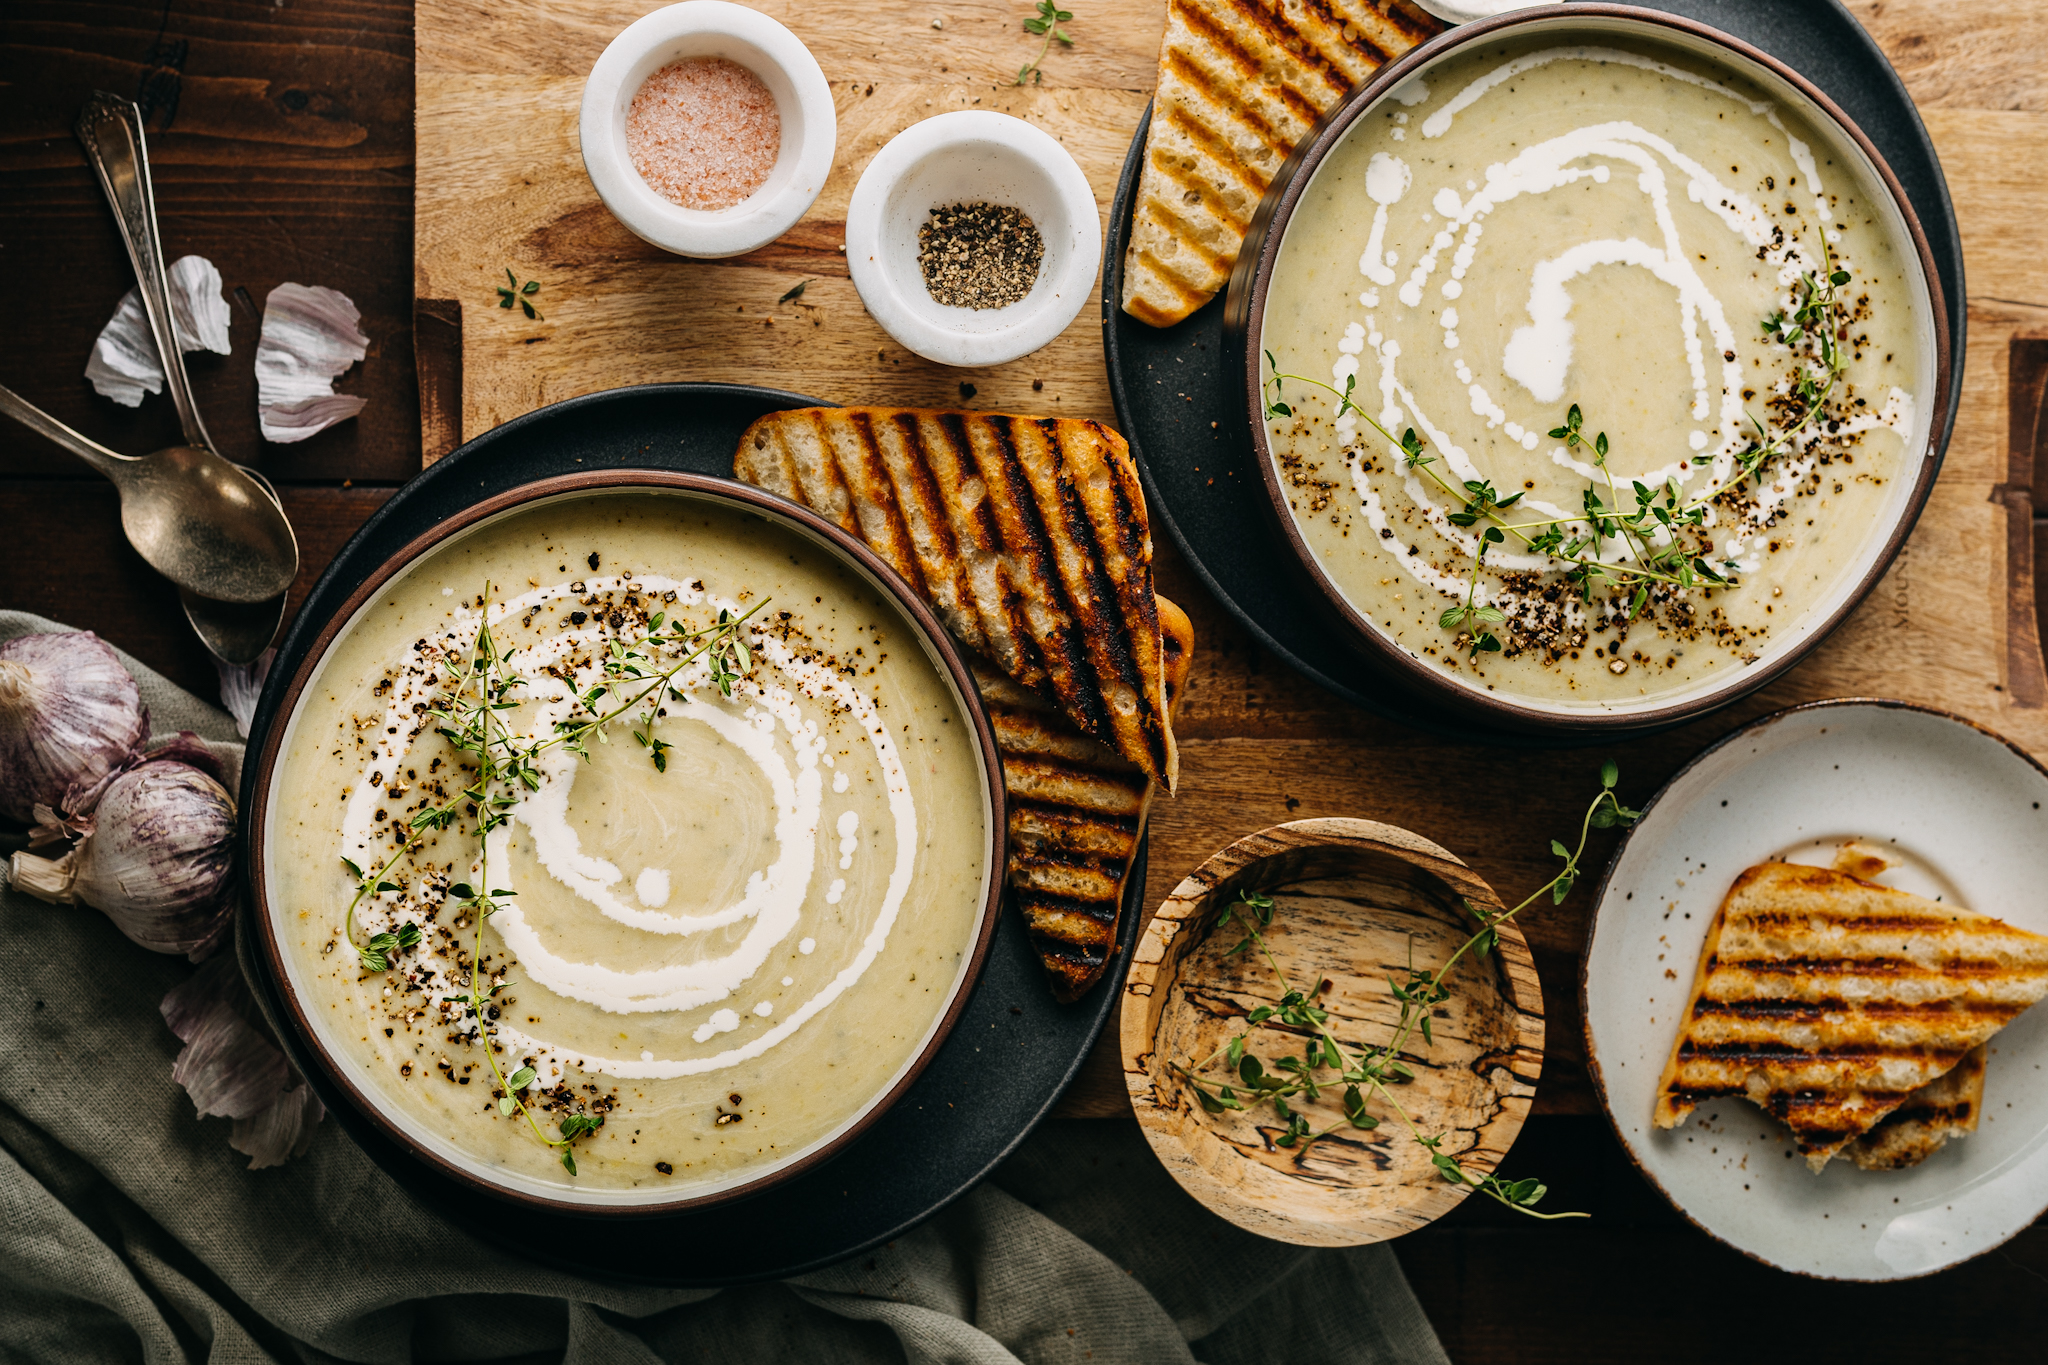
[[1353, 899]]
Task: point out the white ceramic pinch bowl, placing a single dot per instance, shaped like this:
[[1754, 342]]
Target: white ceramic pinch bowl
[[969, 157], [1964, 814], [803, 101]]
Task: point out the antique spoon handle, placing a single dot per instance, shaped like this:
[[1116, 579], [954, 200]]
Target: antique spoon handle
[[106, 461], [111, 130]]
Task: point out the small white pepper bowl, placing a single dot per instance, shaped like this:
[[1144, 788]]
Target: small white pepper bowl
[[971, 157], [803, 101]]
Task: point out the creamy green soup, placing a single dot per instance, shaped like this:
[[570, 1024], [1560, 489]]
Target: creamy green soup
[[728, 960], [1606, 223]]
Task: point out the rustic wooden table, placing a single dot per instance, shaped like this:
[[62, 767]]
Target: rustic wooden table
[[283, 140]]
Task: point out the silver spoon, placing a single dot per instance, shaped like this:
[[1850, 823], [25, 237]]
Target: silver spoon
[[237, 632], [199, 521], [228, 621]]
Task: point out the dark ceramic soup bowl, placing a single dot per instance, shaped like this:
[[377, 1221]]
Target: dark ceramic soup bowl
[[1446, 687], [285, 973]]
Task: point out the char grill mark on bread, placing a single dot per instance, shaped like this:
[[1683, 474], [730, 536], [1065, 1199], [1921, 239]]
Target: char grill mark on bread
[[1027, 535], [1829, 1001], [1077, 811], [1240, 83], [1947, 1107]]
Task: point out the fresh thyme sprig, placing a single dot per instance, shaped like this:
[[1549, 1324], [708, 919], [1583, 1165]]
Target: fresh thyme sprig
[[1048, 20], [469, 714], [521, 294], [1365, 1074], [1652, 533]]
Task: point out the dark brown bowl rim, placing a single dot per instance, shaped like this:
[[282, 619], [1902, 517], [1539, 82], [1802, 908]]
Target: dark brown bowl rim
[[1598, 1073], [748, 499], [1252, 278]]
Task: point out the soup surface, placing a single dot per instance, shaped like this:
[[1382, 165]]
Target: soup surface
[[727, 957], [1623, 230]]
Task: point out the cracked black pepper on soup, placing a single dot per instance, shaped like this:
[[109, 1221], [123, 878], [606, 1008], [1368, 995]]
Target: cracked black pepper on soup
[[979, 255], [728, 957], [1594, 281]]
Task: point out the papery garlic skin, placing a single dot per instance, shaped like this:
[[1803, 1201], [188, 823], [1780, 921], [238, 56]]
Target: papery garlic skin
[[159, 862], [309, 339], [69, 715], [124, 364], [231, 1067]]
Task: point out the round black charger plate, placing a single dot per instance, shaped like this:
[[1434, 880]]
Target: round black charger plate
[[1010, 1055], [1180, 403]]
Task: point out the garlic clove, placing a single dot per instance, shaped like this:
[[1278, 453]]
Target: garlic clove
[[241, 687], [280, 1132], [309, 339], [227, 1067], [230, 1067]]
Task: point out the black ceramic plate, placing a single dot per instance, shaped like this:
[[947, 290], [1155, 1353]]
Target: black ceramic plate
[[1009, 1056], [1180, 403]]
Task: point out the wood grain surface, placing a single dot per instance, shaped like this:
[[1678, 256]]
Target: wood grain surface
[[1356, 905], [289, 154]]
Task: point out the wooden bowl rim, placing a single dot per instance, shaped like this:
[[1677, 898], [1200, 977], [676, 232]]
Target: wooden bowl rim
[[1188, 901]]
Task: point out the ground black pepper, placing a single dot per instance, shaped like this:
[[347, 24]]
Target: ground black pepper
[[979, 255]]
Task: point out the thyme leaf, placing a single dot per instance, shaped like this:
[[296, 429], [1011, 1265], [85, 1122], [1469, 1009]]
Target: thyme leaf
[[1635, 556], [1046, 22], [476, 691], [1368, 1074]]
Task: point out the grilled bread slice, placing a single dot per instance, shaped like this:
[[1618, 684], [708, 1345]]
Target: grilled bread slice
[[1828, 1001], [1944, 1108], [1028, 535], [1077, 812], [1240, 82]]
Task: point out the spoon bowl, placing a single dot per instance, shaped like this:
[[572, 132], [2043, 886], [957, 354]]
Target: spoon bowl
[[233, 632], [202, 522]]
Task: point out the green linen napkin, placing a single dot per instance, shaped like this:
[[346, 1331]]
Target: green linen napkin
[[130, 1230]]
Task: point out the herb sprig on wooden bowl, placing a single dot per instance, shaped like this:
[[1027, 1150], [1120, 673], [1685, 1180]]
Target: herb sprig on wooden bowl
[[1367, 1077]]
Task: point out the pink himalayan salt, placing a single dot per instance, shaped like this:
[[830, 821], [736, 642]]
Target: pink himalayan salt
[[703, 132]]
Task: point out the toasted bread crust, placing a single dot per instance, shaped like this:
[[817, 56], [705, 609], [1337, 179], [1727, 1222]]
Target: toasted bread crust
[[1944, 1108], [1240, 82], [1077, 812], [1829, 1001], [1027, 534]]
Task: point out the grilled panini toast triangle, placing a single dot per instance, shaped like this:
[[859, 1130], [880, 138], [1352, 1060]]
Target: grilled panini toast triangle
[[1028, 536], [1077, 812], [1240, 82], [1828, 1001], [1946, 1107]]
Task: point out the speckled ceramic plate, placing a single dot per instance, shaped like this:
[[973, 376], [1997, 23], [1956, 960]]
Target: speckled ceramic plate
[[1964, 810]]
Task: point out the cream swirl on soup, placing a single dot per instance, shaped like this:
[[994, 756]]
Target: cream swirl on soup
[[728, 959], [1533, 226]]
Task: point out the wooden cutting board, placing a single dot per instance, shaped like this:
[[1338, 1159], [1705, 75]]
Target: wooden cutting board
[[501, 185]]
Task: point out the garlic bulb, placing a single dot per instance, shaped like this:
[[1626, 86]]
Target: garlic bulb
[[159, 861], [69, 715]]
